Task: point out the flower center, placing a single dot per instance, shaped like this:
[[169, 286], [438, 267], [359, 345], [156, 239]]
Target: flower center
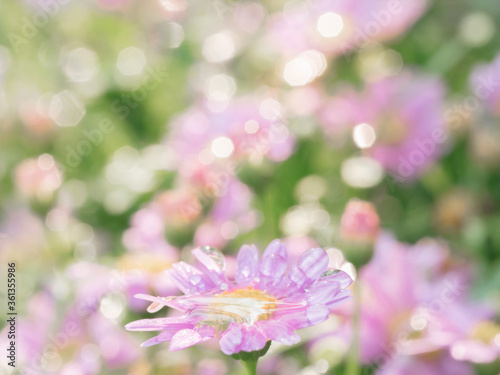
[[239, 306], [485, 332], [392, 130]]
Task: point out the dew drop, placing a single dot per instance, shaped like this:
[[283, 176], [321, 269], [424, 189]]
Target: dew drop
[[216, 255], [329, 273], [246, 271]]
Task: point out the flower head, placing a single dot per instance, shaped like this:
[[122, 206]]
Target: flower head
[[482, 84], [266, 301], [38, 178], [398, 121], [360, 222], [419, 315], [337, 27]]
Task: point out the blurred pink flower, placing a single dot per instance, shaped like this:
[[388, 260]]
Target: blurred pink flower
[[246, 129], [47, 344], [179, 207], [337, 27], [99, 297], [147, 233], [441, 365], [482, 345], [15, 245], [149, 254], [211, 367], [412, 316], [38, 178], [484, 84], [401, 116], [360, 222], [263, 303], [230, 215]]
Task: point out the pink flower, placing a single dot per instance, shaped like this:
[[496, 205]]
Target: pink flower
[[481, 346], [414, 308], [360, 222], [483, 82], [38, 178], [337, 27], [264, 302], [398, 121], [230, 215], [15, 244], [246, 129], [146, 233], [179, 207], [440, 365]]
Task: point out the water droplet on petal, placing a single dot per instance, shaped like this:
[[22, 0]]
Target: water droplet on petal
[[216, 255], [245, 271], [329, 273]]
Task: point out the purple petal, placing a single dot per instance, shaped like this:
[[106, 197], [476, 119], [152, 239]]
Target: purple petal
[[207, 332], [160, 324], [253, 339], [231, 339], [211, 268], [189, 279], [248, 264], [162, 337], [184, 339], [309, 267], [322, 293], [313, 262], [278, 331], [274, 260], [273, 265], [307, 317], [337, 275], [159, 302], [242, 337], [317, 314], [344, 295]]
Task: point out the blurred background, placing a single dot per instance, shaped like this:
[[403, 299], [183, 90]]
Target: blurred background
[[133, 131]]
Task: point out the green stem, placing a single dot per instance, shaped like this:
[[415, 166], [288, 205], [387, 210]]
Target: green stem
[[251, 367]]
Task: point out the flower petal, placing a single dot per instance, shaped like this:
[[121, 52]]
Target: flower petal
[[322, 293], [160, 324], [248, 264], [317, 314], [231, 339], [340, 276], [162, 337], [184, 339], [242, 337], [159, 302], [189, 279], [313, 262], [309, 268], [343, 296], [307, 317], [211, 269], [273, 265], [279, 331], [253, 339]]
